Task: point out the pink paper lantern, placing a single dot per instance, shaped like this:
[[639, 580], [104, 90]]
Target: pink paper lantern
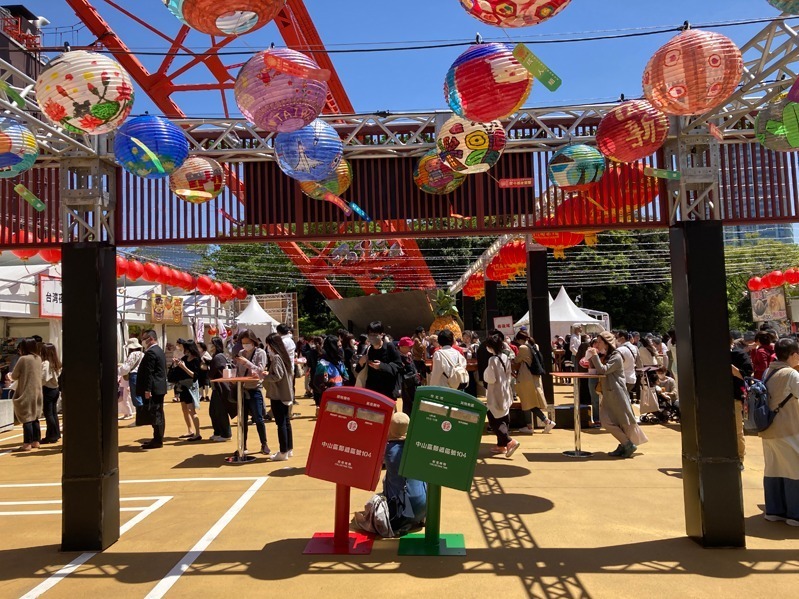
[[513, 13], [633, 130]]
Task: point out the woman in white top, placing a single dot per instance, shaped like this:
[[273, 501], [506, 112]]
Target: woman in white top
[[128, 371], [498, 394], [445, 360], [51, 370]]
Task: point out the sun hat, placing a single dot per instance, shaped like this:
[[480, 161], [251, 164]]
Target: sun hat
[[133, 343], [398, 427], [406, 342], [608, 338]]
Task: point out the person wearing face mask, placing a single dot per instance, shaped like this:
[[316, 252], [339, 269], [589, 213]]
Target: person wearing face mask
[[185, 373], [151, 386], [383, 362], [252, 362], [349, 346]]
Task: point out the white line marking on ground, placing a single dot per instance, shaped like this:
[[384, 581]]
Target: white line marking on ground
[[76, 563], [187, 560], [7, 451], [56, 512], [142, 481]]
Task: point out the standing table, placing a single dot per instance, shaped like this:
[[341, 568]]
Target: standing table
[[575, 377], [240, 457]]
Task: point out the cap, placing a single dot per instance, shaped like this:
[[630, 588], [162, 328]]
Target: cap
[[398, 427], [406, 342]]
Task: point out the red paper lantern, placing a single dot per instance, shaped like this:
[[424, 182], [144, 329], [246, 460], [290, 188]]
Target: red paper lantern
[[777, 278], [633, 130], [135, 269], [204, 285], [623, 189], [51, 255], [487, 83], [755, 284], [152, 272], [227, 289], [232, 17], [579, 209], [693, 72], [557, 240], [513, 13], [24, 237], [792, 276], [122, 267], [241, 293], [216, 289]]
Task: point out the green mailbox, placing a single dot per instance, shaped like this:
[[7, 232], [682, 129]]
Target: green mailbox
[[441, 449]]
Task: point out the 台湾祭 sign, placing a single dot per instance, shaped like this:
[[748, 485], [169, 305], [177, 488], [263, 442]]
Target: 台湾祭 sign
[[768, 304], [50, 297]]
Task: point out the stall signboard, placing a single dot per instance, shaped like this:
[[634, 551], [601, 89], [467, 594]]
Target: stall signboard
[[350, 437], [504, 324], [166, 308], [443, 437], [50, 297], [768, 304]]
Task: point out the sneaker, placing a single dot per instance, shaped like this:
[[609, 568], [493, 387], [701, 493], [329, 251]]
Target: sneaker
[[525, 430], [775, 518], [498, 449], [279, 457], [291, 453], [512, 447], [265, 449], [549, 426], [792, 522]]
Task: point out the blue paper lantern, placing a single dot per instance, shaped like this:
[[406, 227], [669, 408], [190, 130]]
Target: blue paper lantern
[[150, 147], [576, 167], [310, 153], [18, 148]]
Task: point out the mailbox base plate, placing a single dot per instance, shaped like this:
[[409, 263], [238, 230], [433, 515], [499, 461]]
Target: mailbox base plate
[[323, 543], [578, 454], [448, 544]]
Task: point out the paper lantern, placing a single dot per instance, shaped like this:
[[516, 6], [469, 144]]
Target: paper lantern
[[274, 92], [204, 285], [16, 143], [198, 180], [51, 255], [176, 8], [216, 289], [777, 125], [470, 147], [151, 147], [337, 183], [152, 272], [135, 270], [230, 17], [693, 72], [557, 240], [433, 176], [28, 160], [487, 83], [755, 284], [189, 282], [777, 278], [624, 188], [789, 6], [310, 153], [241, 293], [792, 276], [513, 13], [85, 92], [122, 266], [633, 130], [23, 238], [576, 167]]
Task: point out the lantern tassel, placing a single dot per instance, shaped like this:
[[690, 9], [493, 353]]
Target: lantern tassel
[[559, 253]]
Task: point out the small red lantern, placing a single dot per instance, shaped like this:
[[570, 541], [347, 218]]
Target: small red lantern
[[24, 237], [205, 285], [693, 72], [792, 276], [216, 289], [767, 280], [227, 289], [633, 130], [51, 255], [755, 284], [557, 240], [135, 269], [623, 189], [241, 293], [122, 267], [152, 272], [777, 278]]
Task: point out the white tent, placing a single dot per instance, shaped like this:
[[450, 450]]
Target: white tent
[[564, 314], [256, 319], [524, 321]]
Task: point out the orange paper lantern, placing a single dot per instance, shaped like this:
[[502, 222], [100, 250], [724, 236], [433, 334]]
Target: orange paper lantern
[[231, 17]]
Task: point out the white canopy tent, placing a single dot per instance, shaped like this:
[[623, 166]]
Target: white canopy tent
[[524, 321], [256, 319], [563, 315]]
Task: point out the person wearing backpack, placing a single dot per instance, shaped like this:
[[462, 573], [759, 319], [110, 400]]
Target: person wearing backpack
[[741, 369], [781, 438], [528, 368], [449, 365]]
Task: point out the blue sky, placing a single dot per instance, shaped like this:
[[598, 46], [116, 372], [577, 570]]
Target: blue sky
[[413, 80]]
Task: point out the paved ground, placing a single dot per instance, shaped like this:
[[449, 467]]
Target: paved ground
[[536, 525]]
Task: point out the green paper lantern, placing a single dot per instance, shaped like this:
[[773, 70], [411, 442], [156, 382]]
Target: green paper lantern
[[777, 125]]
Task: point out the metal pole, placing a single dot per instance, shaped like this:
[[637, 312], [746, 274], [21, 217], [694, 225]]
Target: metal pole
[[432, 529], [341, 532]]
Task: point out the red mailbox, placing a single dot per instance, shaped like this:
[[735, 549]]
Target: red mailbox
[[350, 437], [347, 449]]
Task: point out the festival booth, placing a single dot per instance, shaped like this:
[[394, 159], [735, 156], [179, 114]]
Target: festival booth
[[565, 314], [256, 319]]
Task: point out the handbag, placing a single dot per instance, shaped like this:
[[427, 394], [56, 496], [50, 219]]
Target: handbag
[[360, 380]]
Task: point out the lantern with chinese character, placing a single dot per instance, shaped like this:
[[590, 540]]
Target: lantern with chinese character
[[310, 153], [558, 241], [16, 143], [576, 167], [230, 17], [280, 91], [777, 125], [198, 180], [693, 72], [469, 147], [513, 13], [633, 130], [85, 92], [337, 183], [487, 83], [151, 147], [432, 176], [789, 6]]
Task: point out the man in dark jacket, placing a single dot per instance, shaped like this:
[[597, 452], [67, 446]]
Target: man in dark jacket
[[383, 361], [741, 368], [151, 386]]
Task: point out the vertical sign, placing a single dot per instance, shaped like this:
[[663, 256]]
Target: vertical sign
[[50, 297]]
